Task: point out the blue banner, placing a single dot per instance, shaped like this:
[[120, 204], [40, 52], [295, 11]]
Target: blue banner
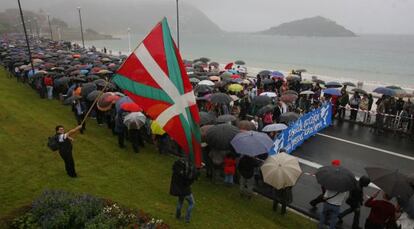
[[305, 127]]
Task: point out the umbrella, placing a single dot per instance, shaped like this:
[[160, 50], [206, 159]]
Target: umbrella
[[277, 74], [214, 64], [235, 87], [93, 95], [307, 92], [194, 80], [289, 117], [394, 87], [385, 91], [268, 94], [265, 109], [306, 82], [220, 98], [265, 73], [215, 78], [226, 118], [131, 107], [104, 71], [359, 90], [207, 118], [202, 89], [239, 62], [319, 81], [134, 120], [106, 100], [333, 84], [156, 129], [92, 77], [204, 59], [409, 207], [349, 84], [392, 182], [251, 143], [121, 101], [206, 82], [246, 125], [226, 75], [300, 70], [292, 77], [219, 136], [235, 76], [268, 81], [203, 131], [261, 101], [336, 178], [274, 127], [71, 99], [332, 91], [62, 81], [281, 170], [290, 92], [289, 98], [87, 88]]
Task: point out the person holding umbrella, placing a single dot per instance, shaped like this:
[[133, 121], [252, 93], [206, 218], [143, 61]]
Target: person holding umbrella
[[79, 109], [246, 169], [355, 201], [382, 212]]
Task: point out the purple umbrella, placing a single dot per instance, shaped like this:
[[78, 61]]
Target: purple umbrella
[[251, 143], [385, 91], [332, 91]]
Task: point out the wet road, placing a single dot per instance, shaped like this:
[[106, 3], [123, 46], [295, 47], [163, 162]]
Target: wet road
[[357, 147]]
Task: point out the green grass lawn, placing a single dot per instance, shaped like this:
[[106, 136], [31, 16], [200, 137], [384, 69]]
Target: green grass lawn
[[27, 167]]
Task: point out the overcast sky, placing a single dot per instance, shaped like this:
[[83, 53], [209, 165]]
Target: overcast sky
[[361, 16]]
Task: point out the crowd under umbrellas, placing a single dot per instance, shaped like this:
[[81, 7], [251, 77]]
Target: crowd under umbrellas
[[240, 115]]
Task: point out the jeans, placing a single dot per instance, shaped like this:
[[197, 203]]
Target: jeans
[[191, 203], [228, 179], [329, 214], [357, 212], [49, 92]]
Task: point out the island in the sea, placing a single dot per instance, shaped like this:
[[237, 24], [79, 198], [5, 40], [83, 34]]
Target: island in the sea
[[310, 27]]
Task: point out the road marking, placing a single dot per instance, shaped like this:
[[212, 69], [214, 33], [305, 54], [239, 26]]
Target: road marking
[[317, 166], [368, 147]]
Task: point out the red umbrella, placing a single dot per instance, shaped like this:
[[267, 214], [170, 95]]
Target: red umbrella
[[106, 100], [228, 66], [95, 69], [235, 76], [289, 98], [131, 107]]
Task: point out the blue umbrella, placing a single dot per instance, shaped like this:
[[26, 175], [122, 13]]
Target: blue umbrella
[[251, 143], [385, 91], [332, 91], [122, 100], [277, 74]]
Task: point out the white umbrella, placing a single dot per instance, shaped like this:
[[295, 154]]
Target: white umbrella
[[307, 92], [274, 127], [206, 82], [281, 170], [269, 94], [134, 120]]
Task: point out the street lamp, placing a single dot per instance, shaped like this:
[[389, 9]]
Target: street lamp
[[129, 40], [36, 27], [50, 27], [81, 27], [178, 26], [25, 34], [30, 28]]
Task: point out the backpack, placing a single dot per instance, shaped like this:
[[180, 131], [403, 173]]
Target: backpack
[[268, 118], [53, 142], [185, 169]]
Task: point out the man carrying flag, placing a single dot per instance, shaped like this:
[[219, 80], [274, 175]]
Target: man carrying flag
[[154, 77]]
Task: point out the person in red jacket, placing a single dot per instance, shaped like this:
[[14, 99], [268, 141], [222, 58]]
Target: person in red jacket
[[229, 168], [48, 81], [382, 212]]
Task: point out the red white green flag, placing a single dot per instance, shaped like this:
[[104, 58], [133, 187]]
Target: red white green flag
[[154, 77]]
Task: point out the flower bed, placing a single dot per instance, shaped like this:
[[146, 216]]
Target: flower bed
[[60, 209]]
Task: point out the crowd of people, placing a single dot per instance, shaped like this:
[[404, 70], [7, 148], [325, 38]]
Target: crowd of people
[[227, 98]]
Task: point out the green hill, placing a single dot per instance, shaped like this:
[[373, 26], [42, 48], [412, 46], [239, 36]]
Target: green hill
[[136, 180]]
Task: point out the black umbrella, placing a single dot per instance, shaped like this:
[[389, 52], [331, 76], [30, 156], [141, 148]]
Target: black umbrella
[[226, 118], [319, 81], [87, 88], [268, 81], [220, 98], [246, 125], [92, 77], [360, 91], [336, 178], [265, 109], [62, 81], [207, 118], [202, 89], [265, 73], [262, 100], [239, 62], [100, 82], [219, 136], [392, 182], [71, 99], [93, 95], [289, 117], [348, 84], [203, 59], [333, 84]]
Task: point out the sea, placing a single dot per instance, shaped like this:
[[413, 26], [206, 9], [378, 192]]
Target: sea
[[375, 60]]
